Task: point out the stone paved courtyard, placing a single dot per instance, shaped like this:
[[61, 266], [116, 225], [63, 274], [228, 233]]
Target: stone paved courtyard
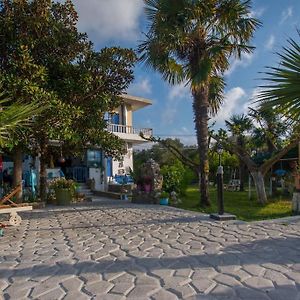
[[125, 251]]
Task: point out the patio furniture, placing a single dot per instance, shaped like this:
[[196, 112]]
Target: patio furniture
[[233, 185], [8, 206]]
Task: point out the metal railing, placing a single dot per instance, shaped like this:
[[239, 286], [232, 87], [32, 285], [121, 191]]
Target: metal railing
[[116, 128]]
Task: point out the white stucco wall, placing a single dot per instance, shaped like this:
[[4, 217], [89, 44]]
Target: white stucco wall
[[123, 167]]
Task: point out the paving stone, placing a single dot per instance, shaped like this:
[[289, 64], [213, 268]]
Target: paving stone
[[164, 295], [259, 283], [122, 288], [57, 293], [203, 285], [226, 280], [250, 294], [76, 295], [284, 293], [73, 284], [255, 270], [183, 291], [141, 291], [121, 251], [100, 287], [223, 292], [110, 297]]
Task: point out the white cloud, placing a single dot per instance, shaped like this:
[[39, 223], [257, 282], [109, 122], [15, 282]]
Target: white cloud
[[105, 20], [287, 13], [140, 87], [245, 61], [233, 104], [257, 12], [176, 94], [178, 91], [169, 113], [270, 42]]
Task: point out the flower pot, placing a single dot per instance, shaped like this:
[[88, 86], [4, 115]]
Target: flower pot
[[63, 196], [164, 201]]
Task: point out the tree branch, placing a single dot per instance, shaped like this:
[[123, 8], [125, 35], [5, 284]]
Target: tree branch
[[176, 152]]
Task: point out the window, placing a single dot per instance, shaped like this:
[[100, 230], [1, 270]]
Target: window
[[94, 158]]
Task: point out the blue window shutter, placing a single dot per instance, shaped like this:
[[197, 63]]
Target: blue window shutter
[[115, 119]]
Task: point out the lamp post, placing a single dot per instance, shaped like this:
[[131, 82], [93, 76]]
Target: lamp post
[[221, 216], [220, 186]]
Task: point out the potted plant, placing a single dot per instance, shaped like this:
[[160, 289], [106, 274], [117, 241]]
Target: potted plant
[[164, 198], [64, 190]]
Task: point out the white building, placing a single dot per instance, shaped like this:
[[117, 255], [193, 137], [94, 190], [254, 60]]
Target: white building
[[95, 165], [105, 170]]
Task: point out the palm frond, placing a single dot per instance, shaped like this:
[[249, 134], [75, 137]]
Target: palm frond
[[216, 94], [14, 117], [282, 91]]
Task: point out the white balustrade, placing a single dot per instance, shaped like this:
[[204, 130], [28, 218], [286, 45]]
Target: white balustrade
[[116, 128]]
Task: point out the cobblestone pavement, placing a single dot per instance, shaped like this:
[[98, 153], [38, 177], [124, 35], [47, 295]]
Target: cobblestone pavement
[[125, 251]]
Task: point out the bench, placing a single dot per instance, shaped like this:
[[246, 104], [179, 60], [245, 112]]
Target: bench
[[7, 206], [233, 185]]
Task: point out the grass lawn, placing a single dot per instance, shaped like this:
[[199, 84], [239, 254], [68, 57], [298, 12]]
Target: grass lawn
[[238, 204]]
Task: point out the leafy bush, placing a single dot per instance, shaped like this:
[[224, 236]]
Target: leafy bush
[[174, 177], [62, 183], [164, 195]]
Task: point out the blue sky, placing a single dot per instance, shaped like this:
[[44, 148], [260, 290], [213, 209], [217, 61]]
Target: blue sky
[[121, 23]]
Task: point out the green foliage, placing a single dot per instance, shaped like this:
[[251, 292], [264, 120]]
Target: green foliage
[[164, 195], [227, 160], [193, 40], [281, 91], [45, 59], [13, 118], [62, 183], [173, 177], [157, 152]]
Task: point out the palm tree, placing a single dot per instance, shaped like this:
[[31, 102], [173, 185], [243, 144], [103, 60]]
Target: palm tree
[[282, 90], [13, 118], [270, 128], [239, 125], [192, 41]]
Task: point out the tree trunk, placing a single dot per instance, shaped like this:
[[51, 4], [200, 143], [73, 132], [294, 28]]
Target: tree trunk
[[200, 106], [43, 173], [17, 175], [258, 179]]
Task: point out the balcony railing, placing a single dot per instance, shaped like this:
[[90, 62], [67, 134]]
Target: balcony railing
[[116, 128]]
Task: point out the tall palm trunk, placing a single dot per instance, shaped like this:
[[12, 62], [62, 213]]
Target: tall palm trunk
[[17, 175], [200, 107]]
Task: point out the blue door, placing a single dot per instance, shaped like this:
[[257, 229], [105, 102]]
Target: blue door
[[109, 167]]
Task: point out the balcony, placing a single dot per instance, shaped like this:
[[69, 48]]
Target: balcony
[[129, 133]]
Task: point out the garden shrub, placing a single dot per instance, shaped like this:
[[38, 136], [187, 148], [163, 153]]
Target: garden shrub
[[174, 177]]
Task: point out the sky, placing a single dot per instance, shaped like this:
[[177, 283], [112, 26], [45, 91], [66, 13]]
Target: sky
[[122, 23]]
